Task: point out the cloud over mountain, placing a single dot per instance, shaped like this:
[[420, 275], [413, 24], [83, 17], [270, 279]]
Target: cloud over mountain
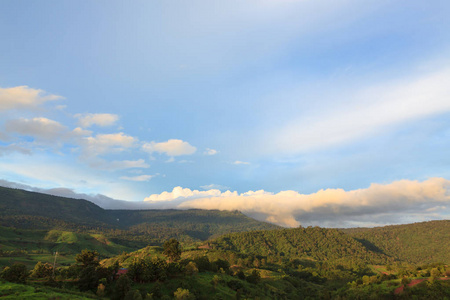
[[378, 204]]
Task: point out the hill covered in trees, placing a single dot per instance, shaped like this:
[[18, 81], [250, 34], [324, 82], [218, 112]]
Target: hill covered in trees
[[417, 243], [312, 243], [133, 228], [225, 255]]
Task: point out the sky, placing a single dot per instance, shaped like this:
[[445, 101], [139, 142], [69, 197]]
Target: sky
[[327, 113]]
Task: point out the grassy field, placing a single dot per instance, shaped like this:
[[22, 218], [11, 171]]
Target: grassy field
[[15, 291]]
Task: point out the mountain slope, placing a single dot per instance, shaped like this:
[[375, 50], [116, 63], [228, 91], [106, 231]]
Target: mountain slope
[[315, 243], [15, 204], [30, 210], [417, 243]]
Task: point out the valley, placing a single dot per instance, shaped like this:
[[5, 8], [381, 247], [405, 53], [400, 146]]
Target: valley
[[218, 255]]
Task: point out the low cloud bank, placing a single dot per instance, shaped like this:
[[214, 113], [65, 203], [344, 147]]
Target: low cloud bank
[[401, 201]]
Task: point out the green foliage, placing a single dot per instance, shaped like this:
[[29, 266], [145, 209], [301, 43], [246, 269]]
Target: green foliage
[[13, 291], [313, 243], [42, 270], [88, 258], [122, 287], [172, 249], [300, 263], [88, 278], [417, 243], [90, 272], [148, 269], [183, 294], [254, 277], [191, 268], [16, 273], [133, 295]]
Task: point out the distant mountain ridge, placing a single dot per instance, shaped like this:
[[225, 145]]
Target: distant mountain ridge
[[32, 210], [426, 242]]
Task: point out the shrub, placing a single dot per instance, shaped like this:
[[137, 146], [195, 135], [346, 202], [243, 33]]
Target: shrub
[[15, 273]]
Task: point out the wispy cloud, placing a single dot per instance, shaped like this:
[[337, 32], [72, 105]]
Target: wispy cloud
[[172, 147], [38, 128], [115, 165], [210, 151], [24, 97], [88, 119], [213, 186], [371, 110], [104, 143], [11, 148], [238, 162], [138, 178]]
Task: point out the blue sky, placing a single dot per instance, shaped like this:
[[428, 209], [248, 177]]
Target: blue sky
[[133, 99]]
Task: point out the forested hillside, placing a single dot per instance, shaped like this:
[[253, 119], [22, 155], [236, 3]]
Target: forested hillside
[[19, 208], [132, 228], [222, 254], [417, 243], [315, 243]]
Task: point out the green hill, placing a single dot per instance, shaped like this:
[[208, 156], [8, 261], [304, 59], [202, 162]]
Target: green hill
[[24, 209], [313, 243], [133, 228], [418, 243]]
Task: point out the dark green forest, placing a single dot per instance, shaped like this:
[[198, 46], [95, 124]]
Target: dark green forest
[[53, 247]]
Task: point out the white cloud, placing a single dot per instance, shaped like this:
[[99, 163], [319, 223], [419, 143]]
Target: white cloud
[[379, 203], [138, 178], [209, 151], [372, 110], [24, 97], [38, 128], [214, 186], [185, 193], [172, 147], [81, 132], [87, 120], [104, 143], [115, 165], [238, 162]]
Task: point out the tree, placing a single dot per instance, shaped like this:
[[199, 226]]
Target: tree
[[133, 295], [16, 273], [172, 249], [123, 286], [191, 268], [254, 277], [88, 278], [42, 270], [88, 258], [435, 272], [101, 290], [183, 294]]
